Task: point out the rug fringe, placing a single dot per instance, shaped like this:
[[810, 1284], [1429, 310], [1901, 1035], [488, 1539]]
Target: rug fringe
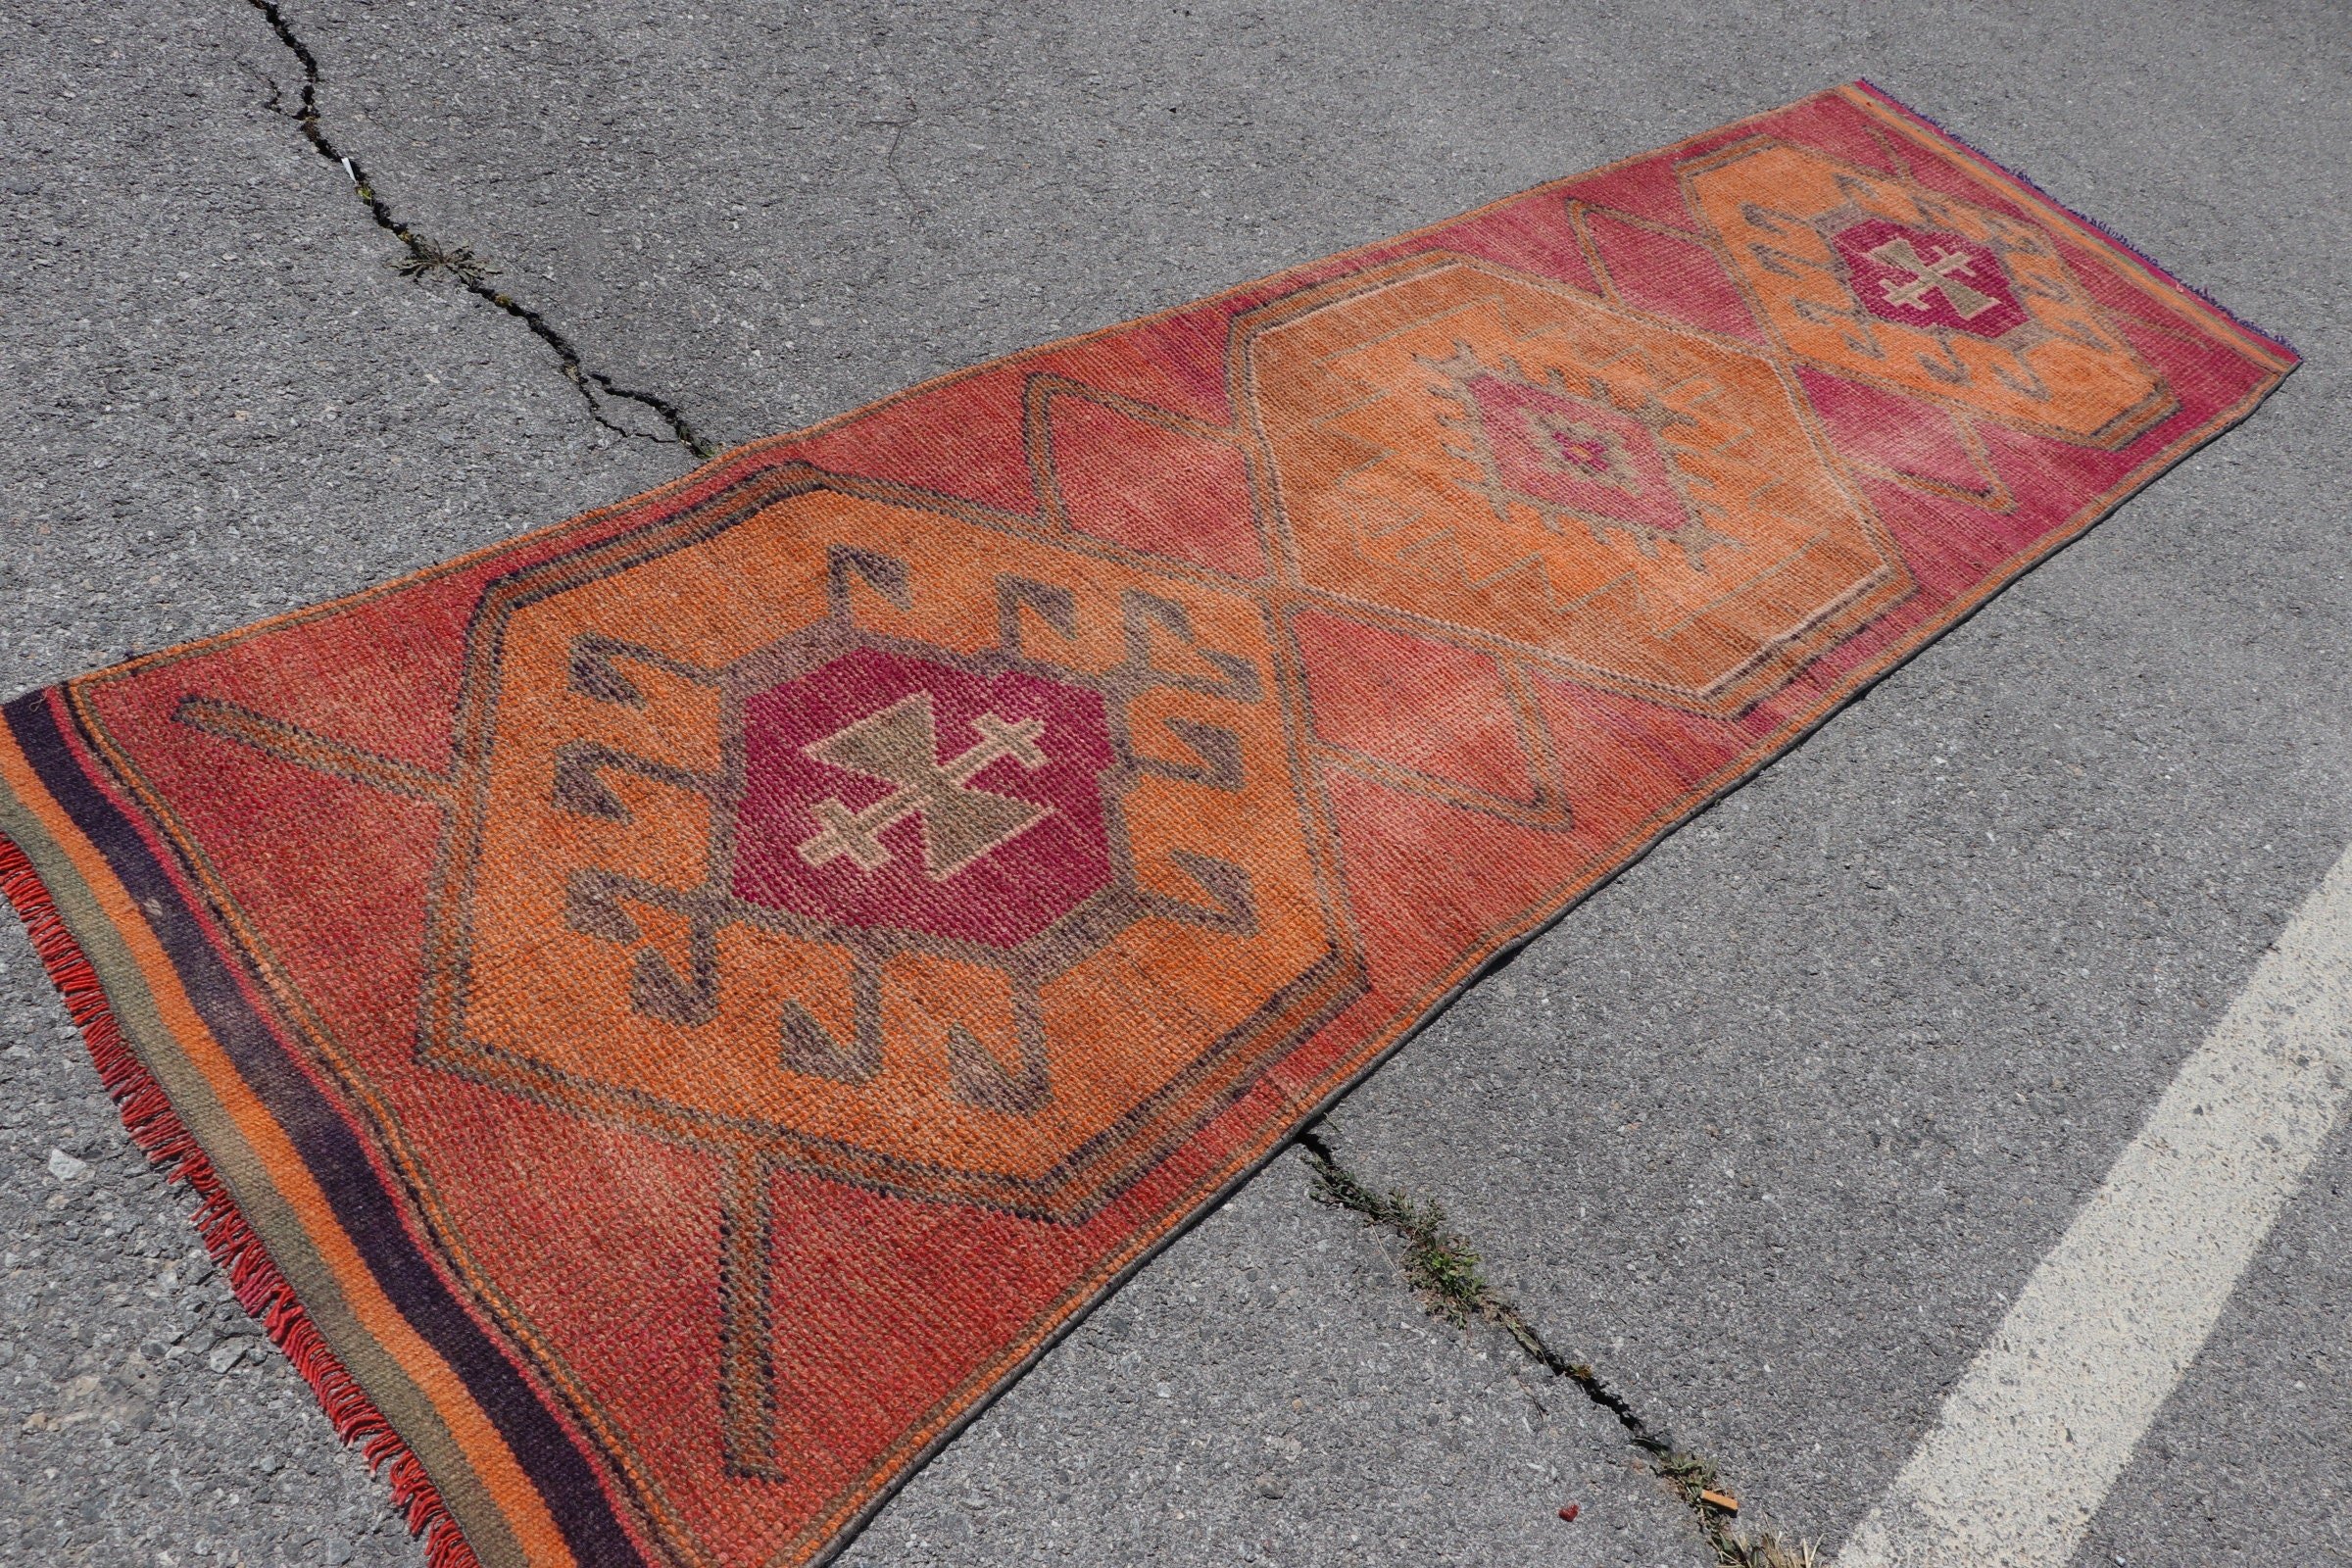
[[2093, 224], [253, 1278]]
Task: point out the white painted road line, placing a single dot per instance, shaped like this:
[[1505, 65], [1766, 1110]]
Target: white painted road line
[[2040, 1427]]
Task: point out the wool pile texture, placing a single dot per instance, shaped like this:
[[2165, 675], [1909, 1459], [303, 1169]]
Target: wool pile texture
[[671, 1014]]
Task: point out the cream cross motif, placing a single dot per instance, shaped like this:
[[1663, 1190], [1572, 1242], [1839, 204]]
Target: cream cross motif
[[959, 822], [1940, 275]]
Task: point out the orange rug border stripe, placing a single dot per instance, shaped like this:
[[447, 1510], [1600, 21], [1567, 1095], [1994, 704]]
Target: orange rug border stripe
[[234, 1246]]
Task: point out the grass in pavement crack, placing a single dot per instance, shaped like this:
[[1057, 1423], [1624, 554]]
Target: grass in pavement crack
[[1443, 1269], [425, 258], [1438, 1264]]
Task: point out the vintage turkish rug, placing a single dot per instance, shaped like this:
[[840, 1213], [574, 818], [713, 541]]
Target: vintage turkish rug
[[671, 1014]]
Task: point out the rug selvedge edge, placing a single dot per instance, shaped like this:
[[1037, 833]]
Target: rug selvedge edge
[[254, 1278], [484, 1489]]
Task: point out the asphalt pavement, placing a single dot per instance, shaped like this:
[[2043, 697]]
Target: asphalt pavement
[[1771, 1132]]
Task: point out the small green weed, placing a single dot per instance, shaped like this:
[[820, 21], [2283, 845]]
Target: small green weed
[[425, 259], [1438, 1264], [1444, 1271]]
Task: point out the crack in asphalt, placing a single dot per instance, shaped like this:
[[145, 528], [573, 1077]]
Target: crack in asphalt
[[425, 256], [1444, 1272], [916, 211]]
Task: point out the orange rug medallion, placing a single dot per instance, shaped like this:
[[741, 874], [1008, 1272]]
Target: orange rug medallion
[[672, 1013]]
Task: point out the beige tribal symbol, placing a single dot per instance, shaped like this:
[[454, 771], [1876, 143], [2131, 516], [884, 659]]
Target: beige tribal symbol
[[899, 745], [1929, 277]]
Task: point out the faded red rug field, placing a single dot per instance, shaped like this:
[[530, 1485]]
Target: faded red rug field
[[672, 1013]]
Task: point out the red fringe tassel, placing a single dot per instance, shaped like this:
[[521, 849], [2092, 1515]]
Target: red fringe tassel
[[254, 1279]]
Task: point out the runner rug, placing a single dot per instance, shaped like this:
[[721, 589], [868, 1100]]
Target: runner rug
[[669, 1015]]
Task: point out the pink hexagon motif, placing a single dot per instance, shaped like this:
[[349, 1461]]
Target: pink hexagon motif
[[885, 790], [1871, 276], [1575, 457]]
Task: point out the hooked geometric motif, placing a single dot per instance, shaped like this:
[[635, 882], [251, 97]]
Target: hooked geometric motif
[[1883, 281], [1642, 503]]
